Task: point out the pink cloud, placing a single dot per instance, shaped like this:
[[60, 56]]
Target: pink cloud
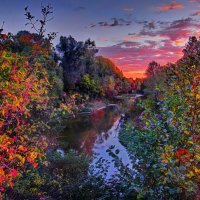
[[137, 57], [128, 38], [163, 44]]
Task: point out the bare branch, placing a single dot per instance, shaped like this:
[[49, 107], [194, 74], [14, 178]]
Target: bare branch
[[40, 29]]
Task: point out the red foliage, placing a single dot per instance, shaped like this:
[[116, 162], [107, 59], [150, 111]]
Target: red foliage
[[181, 152], [23, 93]]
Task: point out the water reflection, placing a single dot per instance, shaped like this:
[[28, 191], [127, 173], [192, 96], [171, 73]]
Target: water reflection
[[81, 132], [100, 151], [94, 134]]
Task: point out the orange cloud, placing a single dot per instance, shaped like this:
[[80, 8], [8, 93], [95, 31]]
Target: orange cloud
[[180, 42], [171, 7]]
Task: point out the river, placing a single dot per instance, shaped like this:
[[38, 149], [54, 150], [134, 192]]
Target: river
[[93, 134]]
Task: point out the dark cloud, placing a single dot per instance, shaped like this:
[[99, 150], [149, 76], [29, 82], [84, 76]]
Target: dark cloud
[[182, 23], [103, 24], [173, 30], [147, 24], [114, 22], [132, 33], [150, 25], [162, 24]]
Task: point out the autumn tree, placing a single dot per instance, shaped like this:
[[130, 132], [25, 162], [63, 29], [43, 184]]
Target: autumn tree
[[28, 77], [23, 93]]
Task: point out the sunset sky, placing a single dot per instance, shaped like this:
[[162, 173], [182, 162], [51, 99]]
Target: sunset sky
[[131, 33]]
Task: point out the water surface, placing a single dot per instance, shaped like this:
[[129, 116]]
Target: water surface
[[93, 134]]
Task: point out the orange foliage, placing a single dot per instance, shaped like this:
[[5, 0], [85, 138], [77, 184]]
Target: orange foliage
[[23, 93]]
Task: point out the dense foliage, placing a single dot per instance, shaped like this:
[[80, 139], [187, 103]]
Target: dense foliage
[[23, 97], [167, 145], [87, 74], [30, 87]]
